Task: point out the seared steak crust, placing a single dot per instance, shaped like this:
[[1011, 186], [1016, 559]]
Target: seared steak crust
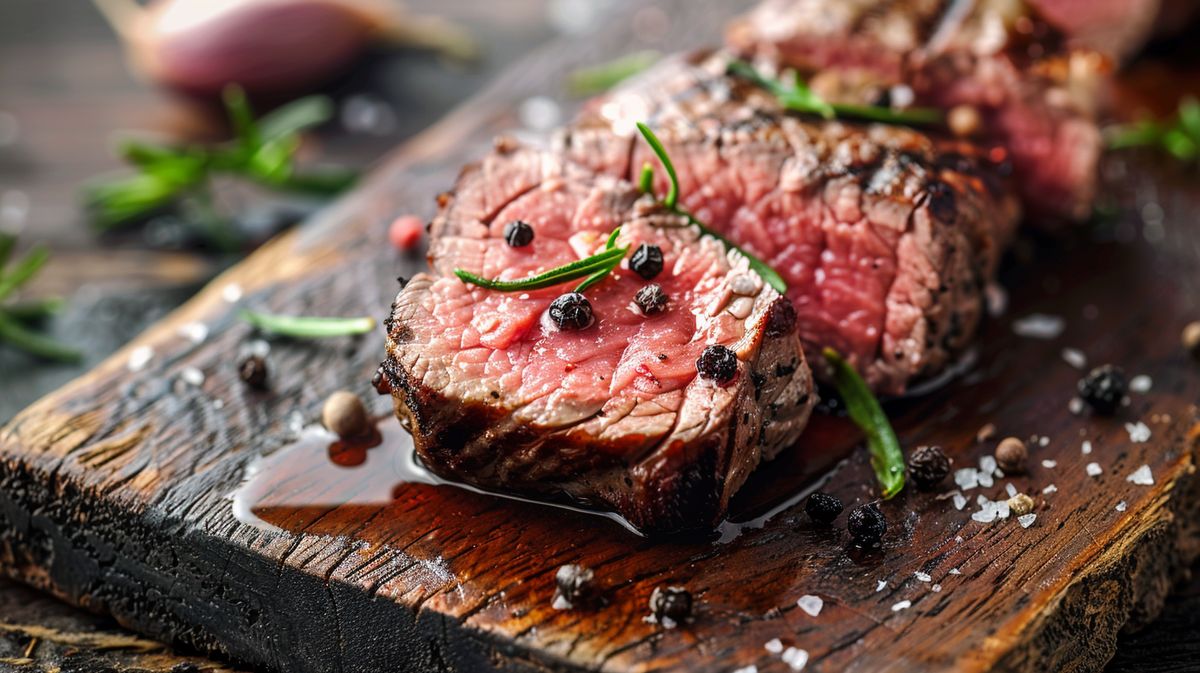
[[614, 415], [1035, 93], [885, 235]]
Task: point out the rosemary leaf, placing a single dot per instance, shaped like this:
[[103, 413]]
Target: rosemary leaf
[[34, 310], [887, 458], [600, 78], [23, 270], [307, 327], [599, 262], [16, 335]]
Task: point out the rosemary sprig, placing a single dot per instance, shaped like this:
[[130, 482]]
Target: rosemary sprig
[[887, 458], [592, 268], [604, 76], [262, 151], [1179, 137], [798, 97], [671, 201], [307, 327], [15, 317]]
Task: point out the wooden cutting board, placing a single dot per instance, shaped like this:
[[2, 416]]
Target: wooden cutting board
[[117, 492]]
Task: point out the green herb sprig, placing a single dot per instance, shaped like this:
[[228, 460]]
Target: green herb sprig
[[18, 318], [262, 151], [887, 459], [1178, 137], [592, 269], [798, 97], [307, 327], [671, 202], [604, 76]]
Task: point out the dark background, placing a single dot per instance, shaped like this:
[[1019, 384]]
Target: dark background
[[65, 92]]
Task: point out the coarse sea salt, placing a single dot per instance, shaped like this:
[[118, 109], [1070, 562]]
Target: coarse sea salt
[[1138, 432], [1050, 489], [937, 588], [192, 376], [922, 577], [1039, 326], [196, 332], [747, 669], [902, 605], [988, 464], [984, 516], [1141, 384], [1026, 520], [880, 586], [955, 571], [231, 293], [1121, 506], [1074, 357], [1141, 476], [967, 478], [986, 479], [1049, 464], [774, 646], [139, 358], [795, 658], [959, 501], [811, 604], [1086, 447], [1010, 490], [1044, 441], [1094, 469]]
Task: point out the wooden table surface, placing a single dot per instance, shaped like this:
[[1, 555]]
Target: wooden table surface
[[64, 91]]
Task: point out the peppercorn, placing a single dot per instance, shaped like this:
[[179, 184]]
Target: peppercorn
[[823, 508], [651, 299], [571, 311], [576, 585], [345, 415], [647, 261], [928, 466], [1020, 504], [1011, 455], [518, 234], [1191, 339], [380, 382], [673, 603], [1103, 389], [253, 370], [867, 525], [717, 363], [781, 319]]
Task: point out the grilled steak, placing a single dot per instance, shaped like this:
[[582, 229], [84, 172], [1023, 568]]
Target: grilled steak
[[1035, 94], [614, 414], [884, 235]]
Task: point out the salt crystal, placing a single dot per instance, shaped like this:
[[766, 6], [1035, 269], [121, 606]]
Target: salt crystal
[[1049, 464], [139, 358], [1039, 326], [881, 586], [1085, 448], [902, 605], [997, 299], [1138, 432], [1002, 509], [955, 571], [1121, 506], [561, 603], [1074, 357], [967, 478], [795, 657], [988, 464], [668, 623], [984, 516], [231, 293], [1026, 520], [774, 646], [958, 539], [811, 604], [1094, 469], [936, 588], [259, 347], [1075, 406], [196, 332], [747, 669], [1141, 476], [922, 577], [1044, 441], [1140, 384], [1050, 489], [985, 479], [1010, 490], [959, 501], [192, 376]]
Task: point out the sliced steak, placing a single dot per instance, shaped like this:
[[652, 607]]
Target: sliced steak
[[1034, 93], [884, 235], [614, 414]]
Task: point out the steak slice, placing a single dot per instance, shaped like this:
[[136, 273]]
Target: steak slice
[[613, 415], [885, 235], [1036, 95]]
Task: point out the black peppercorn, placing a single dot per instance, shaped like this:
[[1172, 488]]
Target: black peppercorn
[[647, 261], [518, 233], [380, 382], [571, 311], [1103, 389], [782, 317], [928, 466], [717, 363], [253, 370], [823, 508], [867, 525], [651, 299], [673, 603], [576, 585]]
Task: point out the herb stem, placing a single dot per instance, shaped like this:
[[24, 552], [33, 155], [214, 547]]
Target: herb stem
[[14, 334], [887, 458], [604, 261], [31, 311], [307, 327], [604, 76]]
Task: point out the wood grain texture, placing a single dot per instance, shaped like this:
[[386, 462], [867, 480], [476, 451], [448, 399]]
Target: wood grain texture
[[114, 490]]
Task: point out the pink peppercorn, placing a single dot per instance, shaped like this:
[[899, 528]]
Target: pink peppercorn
[[406, 232]]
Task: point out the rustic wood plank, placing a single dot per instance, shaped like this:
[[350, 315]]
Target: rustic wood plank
[[115, 488]]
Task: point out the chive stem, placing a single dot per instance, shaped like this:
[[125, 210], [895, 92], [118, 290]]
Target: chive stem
[[307, 327], [887, 458], [601, 261]]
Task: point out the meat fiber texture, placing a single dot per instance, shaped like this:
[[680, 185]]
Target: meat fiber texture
[[1035, 93], [614, 415], [885, 236]]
